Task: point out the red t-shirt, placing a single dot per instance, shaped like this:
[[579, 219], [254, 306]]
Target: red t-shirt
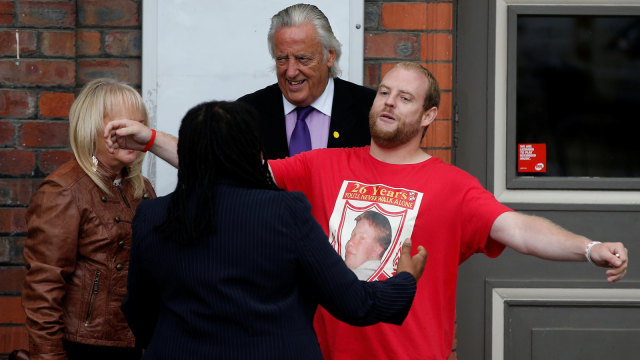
[[439, 206]]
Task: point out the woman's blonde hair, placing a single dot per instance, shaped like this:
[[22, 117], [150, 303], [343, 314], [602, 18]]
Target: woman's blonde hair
[[98, 99]]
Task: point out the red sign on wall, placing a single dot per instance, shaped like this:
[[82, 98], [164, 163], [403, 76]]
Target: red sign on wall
[[532, 158]]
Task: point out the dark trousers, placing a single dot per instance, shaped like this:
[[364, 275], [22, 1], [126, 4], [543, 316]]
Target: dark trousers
[[77, 351]]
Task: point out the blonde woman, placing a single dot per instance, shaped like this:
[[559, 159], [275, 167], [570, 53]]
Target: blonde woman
[[79, 236]]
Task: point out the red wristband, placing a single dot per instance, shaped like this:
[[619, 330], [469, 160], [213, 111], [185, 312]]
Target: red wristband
[[150, 143]]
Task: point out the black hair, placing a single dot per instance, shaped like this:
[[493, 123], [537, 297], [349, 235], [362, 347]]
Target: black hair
[[218, 140]]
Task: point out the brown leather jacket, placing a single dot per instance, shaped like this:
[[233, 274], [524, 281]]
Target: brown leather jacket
[[77, 258]]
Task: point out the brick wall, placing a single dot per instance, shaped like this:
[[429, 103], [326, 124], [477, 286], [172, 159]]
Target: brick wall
[[416, 31], [62, 46]]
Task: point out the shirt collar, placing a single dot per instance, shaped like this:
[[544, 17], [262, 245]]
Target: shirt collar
[[324, 103]]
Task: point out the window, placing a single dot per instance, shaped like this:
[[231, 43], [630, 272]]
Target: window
[[563, 89], [572, 118]]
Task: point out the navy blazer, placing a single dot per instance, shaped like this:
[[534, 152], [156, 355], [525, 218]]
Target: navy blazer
[[349, 117], [249, 291]]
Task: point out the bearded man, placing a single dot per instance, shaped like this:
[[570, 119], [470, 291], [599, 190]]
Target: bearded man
[[437, 205]]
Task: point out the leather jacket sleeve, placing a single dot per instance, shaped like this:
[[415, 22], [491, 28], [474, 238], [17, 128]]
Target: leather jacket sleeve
[[50, 251]]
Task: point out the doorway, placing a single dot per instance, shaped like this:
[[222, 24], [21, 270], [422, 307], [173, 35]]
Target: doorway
[[515, 306]]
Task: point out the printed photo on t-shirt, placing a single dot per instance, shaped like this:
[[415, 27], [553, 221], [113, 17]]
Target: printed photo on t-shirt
[[368, 225]]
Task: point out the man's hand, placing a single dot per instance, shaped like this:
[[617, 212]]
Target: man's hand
[[611, 255], [533, 235], [413, 265], [126, 134]]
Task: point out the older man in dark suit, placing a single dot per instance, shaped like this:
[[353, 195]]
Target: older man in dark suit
[[309, 107]]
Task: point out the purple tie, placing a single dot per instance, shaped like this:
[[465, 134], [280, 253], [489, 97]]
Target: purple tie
[[300, 137]]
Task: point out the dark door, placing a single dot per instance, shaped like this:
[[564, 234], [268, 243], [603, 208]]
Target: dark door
[[515, 306]]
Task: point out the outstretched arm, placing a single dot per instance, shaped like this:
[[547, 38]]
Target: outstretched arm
[[129, 134], [540, 237]]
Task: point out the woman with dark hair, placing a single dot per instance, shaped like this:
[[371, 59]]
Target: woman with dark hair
[[229, 267]]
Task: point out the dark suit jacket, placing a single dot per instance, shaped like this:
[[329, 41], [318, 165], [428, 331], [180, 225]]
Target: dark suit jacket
[[349, 117], [249, 291]]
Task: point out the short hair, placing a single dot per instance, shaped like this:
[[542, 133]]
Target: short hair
[[299, 14], [381, 224], [98, 99], [432, 98]]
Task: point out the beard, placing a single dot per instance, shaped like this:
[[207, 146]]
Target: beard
[[402, 134]]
